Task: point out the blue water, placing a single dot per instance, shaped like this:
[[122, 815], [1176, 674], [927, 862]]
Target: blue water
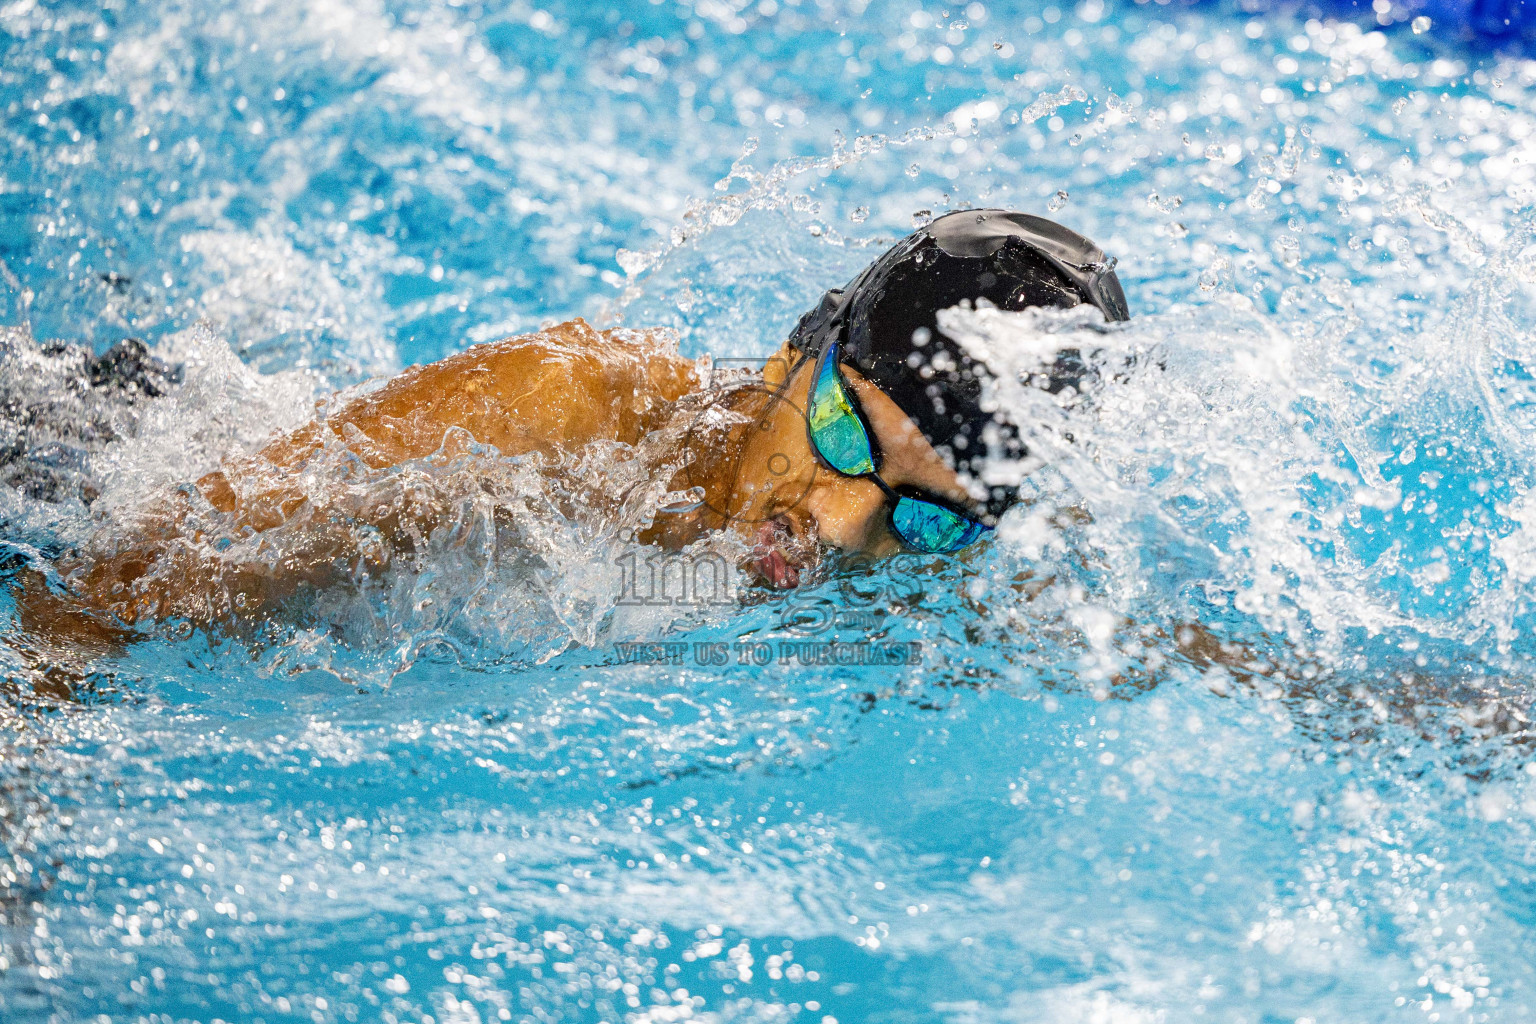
[[1314, 440]]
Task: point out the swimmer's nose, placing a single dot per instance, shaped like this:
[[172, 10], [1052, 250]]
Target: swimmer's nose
[[852, 517]]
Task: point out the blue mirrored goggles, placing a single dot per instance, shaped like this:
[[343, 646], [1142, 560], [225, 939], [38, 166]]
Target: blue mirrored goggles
[[843, 441]]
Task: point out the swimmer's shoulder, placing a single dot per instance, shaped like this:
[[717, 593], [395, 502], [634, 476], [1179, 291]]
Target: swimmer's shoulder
[[557, 356], [563, 384], [576, 344], [574, 356]]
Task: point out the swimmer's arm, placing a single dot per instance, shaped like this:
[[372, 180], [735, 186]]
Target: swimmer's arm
[[544, 393], [1189, 641], [551, 391]]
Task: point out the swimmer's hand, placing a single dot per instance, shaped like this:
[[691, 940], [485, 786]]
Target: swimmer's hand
[[60, 627], [57, 643]]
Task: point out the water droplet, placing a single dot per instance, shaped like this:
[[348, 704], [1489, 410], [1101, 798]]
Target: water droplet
[[912, 170], [859, 215], [1288, 248], [632, 262], [681, 501], [998, 45], [1211, 276], [922, 218], [1421, 25], [1057, 201], [1076, 139]]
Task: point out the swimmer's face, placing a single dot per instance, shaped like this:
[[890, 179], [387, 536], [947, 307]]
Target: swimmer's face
[[787, 504]]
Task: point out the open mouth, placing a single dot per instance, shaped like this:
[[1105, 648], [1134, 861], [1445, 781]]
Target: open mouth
[[784, 551]]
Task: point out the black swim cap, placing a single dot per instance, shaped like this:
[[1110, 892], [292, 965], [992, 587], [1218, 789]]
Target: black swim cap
[[886, 322]]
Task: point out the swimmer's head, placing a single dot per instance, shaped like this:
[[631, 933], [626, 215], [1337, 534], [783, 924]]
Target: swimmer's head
[[885, 325], [883, 438]]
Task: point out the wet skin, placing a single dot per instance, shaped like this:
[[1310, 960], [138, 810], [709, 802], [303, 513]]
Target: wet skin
[[546, 394]]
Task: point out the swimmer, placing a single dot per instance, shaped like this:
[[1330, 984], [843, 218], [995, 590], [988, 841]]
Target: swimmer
[[868, 435]]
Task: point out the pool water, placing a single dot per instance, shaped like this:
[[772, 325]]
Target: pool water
[[457, 796]]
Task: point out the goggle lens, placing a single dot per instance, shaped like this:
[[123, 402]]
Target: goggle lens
[[836, 429], [931, 528]]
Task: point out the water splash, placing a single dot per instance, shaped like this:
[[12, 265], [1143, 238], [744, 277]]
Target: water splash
[[1295, 508]]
